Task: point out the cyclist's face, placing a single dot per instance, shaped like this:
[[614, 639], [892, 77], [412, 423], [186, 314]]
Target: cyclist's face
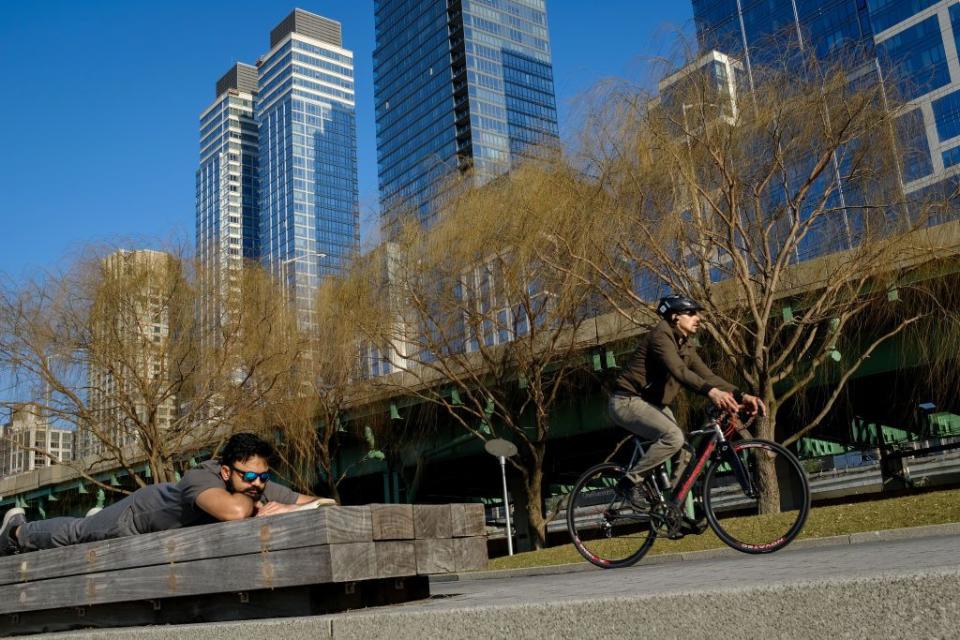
[[688, 322]]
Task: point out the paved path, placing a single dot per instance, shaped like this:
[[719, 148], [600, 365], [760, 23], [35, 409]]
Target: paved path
[[901, 557]]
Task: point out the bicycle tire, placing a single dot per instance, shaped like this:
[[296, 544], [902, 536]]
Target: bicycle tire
[[606, 528], [765, 522]]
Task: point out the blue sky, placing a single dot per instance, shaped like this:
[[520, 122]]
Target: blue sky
[[101, 102]]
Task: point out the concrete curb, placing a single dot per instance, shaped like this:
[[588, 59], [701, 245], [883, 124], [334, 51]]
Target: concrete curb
[[923, 604], [909, 533]]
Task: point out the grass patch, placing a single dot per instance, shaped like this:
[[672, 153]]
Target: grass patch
[[937, 507]]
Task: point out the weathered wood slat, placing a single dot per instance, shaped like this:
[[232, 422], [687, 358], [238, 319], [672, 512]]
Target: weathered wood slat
[[303, 600], [468, 520], [432, 521], [435, 556], [392, 521], [470, 554], [326, 525], [396, 558], [310, 565], [352, 561]]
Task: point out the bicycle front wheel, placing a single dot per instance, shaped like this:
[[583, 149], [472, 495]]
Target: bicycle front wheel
[[763, 510], [606, 526]]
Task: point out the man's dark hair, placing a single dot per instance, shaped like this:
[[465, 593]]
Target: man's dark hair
[[243, 446]]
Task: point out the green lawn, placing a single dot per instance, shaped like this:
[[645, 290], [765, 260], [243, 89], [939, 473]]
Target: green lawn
[[937, 507]]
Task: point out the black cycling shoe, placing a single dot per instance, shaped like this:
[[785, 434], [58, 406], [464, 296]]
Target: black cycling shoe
[[632, 493]]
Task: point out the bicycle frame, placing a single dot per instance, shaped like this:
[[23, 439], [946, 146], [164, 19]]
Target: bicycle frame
[[709, 439]]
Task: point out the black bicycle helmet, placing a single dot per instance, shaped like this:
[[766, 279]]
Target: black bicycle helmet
[[676, 303]]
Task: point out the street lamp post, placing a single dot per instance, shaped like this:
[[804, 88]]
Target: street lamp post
[[503, 449]]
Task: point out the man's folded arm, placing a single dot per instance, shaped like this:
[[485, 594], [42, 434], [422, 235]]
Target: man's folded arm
[[223, 505]]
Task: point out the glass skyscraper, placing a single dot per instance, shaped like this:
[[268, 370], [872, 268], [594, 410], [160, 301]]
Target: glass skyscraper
[[746, 35], [227, 221], [759, 30], [458, 84], [912, 44], [917, 48], [308, 198]]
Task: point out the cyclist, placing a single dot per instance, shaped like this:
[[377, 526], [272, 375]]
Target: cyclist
[[665, 361]]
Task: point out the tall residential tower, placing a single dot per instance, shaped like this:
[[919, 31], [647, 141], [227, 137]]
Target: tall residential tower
[[227, 221], [308, 198], [910, 45], [458, 84]]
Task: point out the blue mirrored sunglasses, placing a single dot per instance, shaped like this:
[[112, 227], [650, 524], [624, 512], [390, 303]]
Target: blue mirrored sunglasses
[[250, 476]]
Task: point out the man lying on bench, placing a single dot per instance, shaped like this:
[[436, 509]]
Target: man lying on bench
[[235, 487]]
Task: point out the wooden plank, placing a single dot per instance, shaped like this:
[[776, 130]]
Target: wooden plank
[[435, 556], [468, 520], [392, 521], [470, 554], [304, 600], [309, 565], [396, 558], [326, 525], [432, 521], [347, 524], [353, 561]]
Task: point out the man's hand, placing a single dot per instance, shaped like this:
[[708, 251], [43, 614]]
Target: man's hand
[[274, 508], [724, 400], [755, 404]]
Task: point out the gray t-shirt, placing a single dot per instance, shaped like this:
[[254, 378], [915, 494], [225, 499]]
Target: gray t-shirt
[[169, 505]]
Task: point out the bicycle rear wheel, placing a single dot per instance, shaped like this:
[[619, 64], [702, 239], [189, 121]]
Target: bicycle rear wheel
[[771, 511], [606, 527]]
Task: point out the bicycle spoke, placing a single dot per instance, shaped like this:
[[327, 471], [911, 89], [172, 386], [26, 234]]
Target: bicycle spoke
[[607, 528], [767, 513]]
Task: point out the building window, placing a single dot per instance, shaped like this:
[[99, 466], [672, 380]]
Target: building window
[[914, 150], [886, 13], [915, 59], [951, 157], [946, 111]]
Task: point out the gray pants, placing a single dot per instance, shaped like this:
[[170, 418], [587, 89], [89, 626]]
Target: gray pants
[[114, 521], [650, 422]]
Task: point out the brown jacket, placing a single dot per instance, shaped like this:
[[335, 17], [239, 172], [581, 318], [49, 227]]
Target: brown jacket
[[663, 362]]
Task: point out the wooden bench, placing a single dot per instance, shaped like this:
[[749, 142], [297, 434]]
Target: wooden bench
[[303, 563]]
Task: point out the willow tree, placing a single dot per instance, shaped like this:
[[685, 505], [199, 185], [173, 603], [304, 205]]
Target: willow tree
[[112, 347], [481, 325], [781, 206], [320, 387]]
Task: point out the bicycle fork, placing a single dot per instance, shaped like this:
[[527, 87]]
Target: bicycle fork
[[727, 453]]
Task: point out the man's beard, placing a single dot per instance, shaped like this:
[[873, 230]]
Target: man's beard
[[253, 493]]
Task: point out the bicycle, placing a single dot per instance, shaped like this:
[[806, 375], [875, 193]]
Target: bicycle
[[754, 494]]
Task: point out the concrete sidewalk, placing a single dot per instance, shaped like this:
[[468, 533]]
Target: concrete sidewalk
[[952, 528], [891, 584]]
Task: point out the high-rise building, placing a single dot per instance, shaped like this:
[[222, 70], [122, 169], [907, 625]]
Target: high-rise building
[[917, 46], [912, 46], [308, 196], [227, 220], [28, 442], [760, 30], [127, 375], [458, 84]]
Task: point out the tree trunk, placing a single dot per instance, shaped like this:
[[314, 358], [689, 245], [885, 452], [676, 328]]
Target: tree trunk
[[330, 479], [766, 469], [769, 485], [332, 490], [534, 487]]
